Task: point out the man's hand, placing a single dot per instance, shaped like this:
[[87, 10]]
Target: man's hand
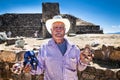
[[27, 68], [86, 55]]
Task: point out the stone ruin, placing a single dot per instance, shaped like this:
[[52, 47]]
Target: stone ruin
[[108, 58], [26, 24], [21, 24]]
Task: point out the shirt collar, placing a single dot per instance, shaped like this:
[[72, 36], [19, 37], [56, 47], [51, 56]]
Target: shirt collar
[[52, 43]]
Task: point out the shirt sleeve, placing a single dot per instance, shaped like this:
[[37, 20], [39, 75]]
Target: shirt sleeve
[[81, 66], [41, 62]]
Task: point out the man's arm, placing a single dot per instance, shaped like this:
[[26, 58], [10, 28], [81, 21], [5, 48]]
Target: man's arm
[[81, 66], [85, 57], [41, 62]]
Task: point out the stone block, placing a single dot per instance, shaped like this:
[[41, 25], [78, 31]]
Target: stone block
[[115, 55], [7, 56], [98, 54], [91, 77], [100, 72], [118, 74], [10, 41], [109, 73], [90, 69], [85, 75]]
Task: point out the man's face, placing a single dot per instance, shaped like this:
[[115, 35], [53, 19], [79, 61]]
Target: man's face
[[58, 30]]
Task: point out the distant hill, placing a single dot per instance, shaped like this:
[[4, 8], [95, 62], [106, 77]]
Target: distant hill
[[117, 33], [114, 33]]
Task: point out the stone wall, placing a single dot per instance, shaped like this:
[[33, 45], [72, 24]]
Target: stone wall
[[27, 24], [100, 69], [88, 29], [107, 53], [48, 11], [83, 28], [21, 24], [1, 23], [90, 73], [72, 20]]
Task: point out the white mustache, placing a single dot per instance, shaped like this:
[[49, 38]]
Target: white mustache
[[58, 33]]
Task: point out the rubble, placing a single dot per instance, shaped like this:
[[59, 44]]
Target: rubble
[[104, 65]]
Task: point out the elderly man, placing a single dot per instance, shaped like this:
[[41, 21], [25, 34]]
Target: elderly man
[[58, 58]]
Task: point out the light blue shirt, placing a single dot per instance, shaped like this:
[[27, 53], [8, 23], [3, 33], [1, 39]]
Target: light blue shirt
[[55, 66]]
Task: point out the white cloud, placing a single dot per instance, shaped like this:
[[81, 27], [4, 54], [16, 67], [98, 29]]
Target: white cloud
[[112, 29], [116, 27]]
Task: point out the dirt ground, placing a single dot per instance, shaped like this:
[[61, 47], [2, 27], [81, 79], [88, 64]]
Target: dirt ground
[[80, 40]]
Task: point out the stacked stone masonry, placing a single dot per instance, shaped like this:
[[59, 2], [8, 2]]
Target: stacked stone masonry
[[90, 73], [21, 24], [27, 24], [110, 67]]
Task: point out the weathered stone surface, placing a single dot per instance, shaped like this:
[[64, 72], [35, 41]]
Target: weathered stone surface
[[20, 56], [27, 24], [85, 75], [1, 23], [100, 71], [7, 56], [99, 74], [109, 74], [91, 77], [10, 41], [115, 55], [107, 53], [117, 48], [91, 72], [118, 74], [98, 54], [21, 24], [73, 27], [84, 27], [48, 11], [97, 78], [90, 69]]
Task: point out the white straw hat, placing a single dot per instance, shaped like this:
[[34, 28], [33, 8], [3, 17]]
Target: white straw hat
[[57, 18]]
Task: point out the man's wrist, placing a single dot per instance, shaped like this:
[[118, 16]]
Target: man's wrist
[[84, 64]]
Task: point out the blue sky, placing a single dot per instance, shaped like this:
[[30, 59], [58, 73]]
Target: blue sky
[[105, 13]]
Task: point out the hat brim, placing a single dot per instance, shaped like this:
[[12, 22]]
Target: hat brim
[[51, 21]]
